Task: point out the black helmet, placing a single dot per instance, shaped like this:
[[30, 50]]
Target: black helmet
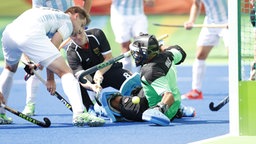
[[144, 48]]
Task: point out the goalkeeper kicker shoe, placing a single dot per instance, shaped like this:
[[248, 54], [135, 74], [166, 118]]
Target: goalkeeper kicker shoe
[[193, 95], [29, 109], [4, 119], [89, 119], [155, 116]]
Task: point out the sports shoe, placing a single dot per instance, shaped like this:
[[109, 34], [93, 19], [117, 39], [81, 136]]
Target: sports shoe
[[193, 95], [185, 111], [89, 119], [100, 111], [156, 117], [112, 113], [92, 111], [29, 109], [188, 111], [4, 119]]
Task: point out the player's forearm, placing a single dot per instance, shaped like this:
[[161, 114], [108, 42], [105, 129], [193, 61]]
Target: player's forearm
[[50, 75], [195, 11], [87, 5]]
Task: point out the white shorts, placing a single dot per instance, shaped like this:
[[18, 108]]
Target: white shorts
[[126, 27], [211, 36], [37, 47]]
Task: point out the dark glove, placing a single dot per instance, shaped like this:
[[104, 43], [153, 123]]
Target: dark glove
[[252, 17], [28, 68]]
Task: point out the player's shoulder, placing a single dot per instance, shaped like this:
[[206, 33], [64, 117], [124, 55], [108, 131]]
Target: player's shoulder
[[94, 31], [72, 47]]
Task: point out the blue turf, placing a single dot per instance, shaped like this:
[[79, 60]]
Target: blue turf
[[206, 124]]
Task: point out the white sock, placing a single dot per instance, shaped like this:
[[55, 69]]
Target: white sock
[[72, 90], [198, 72], [32, 85], [6, 80], [127, 63]]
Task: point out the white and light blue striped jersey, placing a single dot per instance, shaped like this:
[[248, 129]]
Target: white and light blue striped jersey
[[42, 21], [128, 7], [216, 10], [62, 5]]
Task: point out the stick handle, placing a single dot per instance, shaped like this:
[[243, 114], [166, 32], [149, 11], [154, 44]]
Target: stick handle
[[210, 25], [107, 63], [195, 25], [64, 101], [162, 37], [100, 66]]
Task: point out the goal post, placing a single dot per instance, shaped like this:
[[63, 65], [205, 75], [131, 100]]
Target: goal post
[[242, 91]]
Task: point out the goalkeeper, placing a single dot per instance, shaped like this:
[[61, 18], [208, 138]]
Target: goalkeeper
[[160, 99]]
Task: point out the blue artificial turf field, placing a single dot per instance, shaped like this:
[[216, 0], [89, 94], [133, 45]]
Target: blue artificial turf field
[[206, 124]]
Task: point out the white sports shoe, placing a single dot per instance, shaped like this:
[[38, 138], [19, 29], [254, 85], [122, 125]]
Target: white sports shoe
[[89, 119], [29, 109]]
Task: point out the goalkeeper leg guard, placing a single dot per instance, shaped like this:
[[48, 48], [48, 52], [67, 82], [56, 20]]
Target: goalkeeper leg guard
[[105, 99]]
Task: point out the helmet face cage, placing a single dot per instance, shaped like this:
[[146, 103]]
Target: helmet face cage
[[144, 47]]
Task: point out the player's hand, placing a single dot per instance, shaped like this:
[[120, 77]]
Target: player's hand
[[51, 86], [149, 3], [188, 25], [98, 78], [30, 67], [96, 88]]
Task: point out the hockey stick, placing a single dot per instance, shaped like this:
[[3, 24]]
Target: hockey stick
[[194, 26], [64, 101], [220, 104], [104, 64], [107, 63], [100, 66], [44, 124]]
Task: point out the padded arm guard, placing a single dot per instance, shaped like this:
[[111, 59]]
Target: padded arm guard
[[179, 55]]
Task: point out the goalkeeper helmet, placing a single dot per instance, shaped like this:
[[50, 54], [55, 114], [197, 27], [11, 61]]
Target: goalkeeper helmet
[[144, 48]]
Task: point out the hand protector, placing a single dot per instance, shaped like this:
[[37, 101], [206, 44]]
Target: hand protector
[[28, 68]]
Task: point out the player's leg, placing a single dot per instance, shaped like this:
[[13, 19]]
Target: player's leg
[[5, 87], [85, 97], [32, 85], [47, 55], [121, 26], [198, 72], [72, 90], [12, 56], [208, 38]]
